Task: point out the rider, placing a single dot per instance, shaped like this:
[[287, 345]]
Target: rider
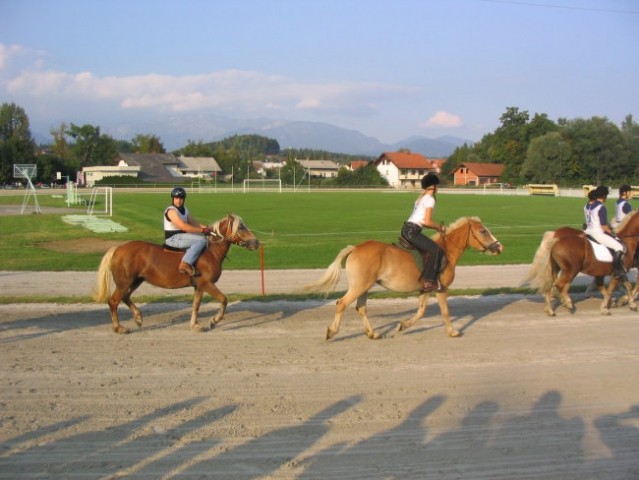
[[421, 217], [181, 231], [597, 227], [622, 207]]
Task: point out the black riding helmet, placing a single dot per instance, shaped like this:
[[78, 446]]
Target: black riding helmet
[[429, 179], [178, 192]]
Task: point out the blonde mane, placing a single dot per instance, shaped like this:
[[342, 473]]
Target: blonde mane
[[235, 222], [460, 222]]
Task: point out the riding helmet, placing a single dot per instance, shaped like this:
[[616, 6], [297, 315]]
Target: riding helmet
[[178, 192], [429, 179]]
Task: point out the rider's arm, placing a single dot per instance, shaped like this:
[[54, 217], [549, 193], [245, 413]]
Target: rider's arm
[[428, 221], [181, 224]]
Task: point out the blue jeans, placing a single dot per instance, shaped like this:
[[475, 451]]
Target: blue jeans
[[194, 242]]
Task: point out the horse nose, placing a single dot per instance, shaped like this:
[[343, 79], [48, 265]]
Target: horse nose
[[253, 244]]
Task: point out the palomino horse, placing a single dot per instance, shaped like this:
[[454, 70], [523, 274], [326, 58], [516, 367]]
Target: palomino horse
[[395, 269], [565, 252], [130, 264]]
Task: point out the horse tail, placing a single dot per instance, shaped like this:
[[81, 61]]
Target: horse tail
[[331, 276], [540, 275], [103, 289]]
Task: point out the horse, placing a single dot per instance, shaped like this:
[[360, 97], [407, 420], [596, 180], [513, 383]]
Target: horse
[[565, 252], [132, 263], [396, 269]]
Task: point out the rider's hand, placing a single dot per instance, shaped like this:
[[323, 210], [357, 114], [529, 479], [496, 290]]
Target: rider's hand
[[206, 231]]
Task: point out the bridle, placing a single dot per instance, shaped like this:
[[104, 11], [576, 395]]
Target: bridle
[[485, 248], [220, 237]]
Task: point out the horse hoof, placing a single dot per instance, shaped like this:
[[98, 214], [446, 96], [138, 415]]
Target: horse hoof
[[400, 327], [330, 334], [374, 336], [454, 333], [198, 328], [122, 330]]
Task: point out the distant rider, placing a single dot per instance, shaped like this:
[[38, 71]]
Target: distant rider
[[622, 207], [181, 230], [422, 217], [597, 227]]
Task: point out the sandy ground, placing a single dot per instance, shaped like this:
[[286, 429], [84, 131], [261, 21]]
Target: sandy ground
[[264, 396]]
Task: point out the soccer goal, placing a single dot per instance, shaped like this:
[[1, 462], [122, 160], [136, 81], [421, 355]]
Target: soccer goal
[[27, 171], [101, 202], [262, 185]]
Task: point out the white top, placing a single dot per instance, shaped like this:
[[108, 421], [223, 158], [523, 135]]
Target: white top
[[419, 210]]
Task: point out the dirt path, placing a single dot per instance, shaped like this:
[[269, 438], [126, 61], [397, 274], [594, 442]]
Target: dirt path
[[263, 396]]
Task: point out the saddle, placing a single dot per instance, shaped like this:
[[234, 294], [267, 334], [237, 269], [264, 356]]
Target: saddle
[[170, 249], [602, 253]]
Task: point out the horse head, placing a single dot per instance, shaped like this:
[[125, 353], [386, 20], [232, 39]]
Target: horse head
[[480, 238], [233, 229]]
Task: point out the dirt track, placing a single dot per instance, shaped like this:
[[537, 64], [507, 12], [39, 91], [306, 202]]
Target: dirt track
[[519, 396]]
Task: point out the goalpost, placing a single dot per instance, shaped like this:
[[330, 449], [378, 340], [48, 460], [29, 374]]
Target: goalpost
[[27, 171], [262, 185]]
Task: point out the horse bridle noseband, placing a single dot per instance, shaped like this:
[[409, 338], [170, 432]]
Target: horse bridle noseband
[[470, 230], [240, 243]]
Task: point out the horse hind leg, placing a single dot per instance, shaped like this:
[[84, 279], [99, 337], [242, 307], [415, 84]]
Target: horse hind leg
[[114, 301], [126, 298], [360, 306]]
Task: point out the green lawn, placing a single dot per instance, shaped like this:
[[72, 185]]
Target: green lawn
[[298, 230]]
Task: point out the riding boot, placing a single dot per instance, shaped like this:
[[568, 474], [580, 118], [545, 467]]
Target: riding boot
[[618, 269]]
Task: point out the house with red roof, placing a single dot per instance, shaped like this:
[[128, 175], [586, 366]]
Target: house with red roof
[[470, 173], [405, 169]]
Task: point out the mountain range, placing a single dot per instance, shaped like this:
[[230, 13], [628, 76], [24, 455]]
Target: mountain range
[[175, 131]]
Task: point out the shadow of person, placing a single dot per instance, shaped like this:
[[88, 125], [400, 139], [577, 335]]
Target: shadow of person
[[462, 452], [383, 455], [622, 438], [542, 444], [264, 455]]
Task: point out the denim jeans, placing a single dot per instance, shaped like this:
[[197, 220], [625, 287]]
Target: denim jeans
[[194, 242]]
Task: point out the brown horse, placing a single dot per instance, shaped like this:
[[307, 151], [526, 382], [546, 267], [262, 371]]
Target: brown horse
[[396, 269], [565, 252], [135, 262]]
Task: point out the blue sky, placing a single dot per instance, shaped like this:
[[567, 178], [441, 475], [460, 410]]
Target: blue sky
[[387, 68]]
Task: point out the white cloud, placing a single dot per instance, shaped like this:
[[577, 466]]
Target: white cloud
[[443, 119]]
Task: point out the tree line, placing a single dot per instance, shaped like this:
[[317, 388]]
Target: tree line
[[567, 152], [532, 149]]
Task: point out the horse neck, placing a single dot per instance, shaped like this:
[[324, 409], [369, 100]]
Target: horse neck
[[455, 242], [219, 249]]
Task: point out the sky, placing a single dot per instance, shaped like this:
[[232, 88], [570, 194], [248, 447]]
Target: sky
[[390, 69]]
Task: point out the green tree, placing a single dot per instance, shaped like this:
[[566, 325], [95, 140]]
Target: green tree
[[600, 153], [16, 142], [630, 131], [90, 147], [292, 172], [147, 144], [547, 160]]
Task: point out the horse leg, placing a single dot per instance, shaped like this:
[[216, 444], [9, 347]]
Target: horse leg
[[197, 301], [126, 298], [630, 295], [360, 306], [562, 284], [421, 311], [550, 311], [114, 301], [442, 298], [215, 292]]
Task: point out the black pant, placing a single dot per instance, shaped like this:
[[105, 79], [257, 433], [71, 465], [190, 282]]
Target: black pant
[[431, 252]]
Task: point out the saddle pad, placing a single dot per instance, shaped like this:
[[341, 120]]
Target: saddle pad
[[601, 253]]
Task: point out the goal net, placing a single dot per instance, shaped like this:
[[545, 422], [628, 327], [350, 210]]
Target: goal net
[[262, 185]]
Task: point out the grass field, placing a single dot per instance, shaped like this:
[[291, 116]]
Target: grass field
[[298, 230]]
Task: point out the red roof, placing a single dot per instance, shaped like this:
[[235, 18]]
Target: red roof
[[483, 169], [404, 160]]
